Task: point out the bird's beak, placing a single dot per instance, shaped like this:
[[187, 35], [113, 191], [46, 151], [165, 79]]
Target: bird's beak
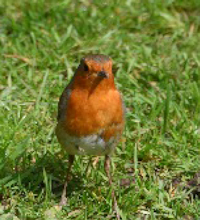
[[103, 74]]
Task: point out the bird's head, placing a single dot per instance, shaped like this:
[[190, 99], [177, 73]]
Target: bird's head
[[94, 70]]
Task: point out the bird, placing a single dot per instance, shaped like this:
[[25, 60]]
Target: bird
[[91, 115]]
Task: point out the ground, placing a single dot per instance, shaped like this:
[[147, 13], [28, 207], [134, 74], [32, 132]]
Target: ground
[[155, 48]]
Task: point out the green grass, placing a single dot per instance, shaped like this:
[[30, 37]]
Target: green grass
[[155, 47]]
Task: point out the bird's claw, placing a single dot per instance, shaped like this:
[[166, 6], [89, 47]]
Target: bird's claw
[[63, 201]]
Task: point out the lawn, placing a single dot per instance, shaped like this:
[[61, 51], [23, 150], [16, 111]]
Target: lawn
[[155, 47]]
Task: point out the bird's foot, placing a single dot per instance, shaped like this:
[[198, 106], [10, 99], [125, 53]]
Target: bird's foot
[[115, 209], [117, 213], [63, 201]]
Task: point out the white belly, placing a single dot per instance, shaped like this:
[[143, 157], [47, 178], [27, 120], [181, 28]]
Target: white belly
[[86, 145]]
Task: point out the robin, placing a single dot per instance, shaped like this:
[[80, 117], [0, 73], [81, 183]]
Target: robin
[[90, 115]]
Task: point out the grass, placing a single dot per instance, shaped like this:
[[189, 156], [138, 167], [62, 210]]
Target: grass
[[155, 47]]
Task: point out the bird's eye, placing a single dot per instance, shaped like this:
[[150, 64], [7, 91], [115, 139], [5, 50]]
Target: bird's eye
[[85, 67]]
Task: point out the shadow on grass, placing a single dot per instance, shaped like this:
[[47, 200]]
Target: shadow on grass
[[44, 176]]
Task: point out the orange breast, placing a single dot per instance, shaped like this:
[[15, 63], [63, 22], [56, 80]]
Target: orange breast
[[89, 113]]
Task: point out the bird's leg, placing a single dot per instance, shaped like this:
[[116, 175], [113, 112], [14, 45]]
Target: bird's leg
[[63, 200], [107, 170]]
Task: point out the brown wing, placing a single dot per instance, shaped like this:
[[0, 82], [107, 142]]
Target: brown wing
[[62, 104]]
